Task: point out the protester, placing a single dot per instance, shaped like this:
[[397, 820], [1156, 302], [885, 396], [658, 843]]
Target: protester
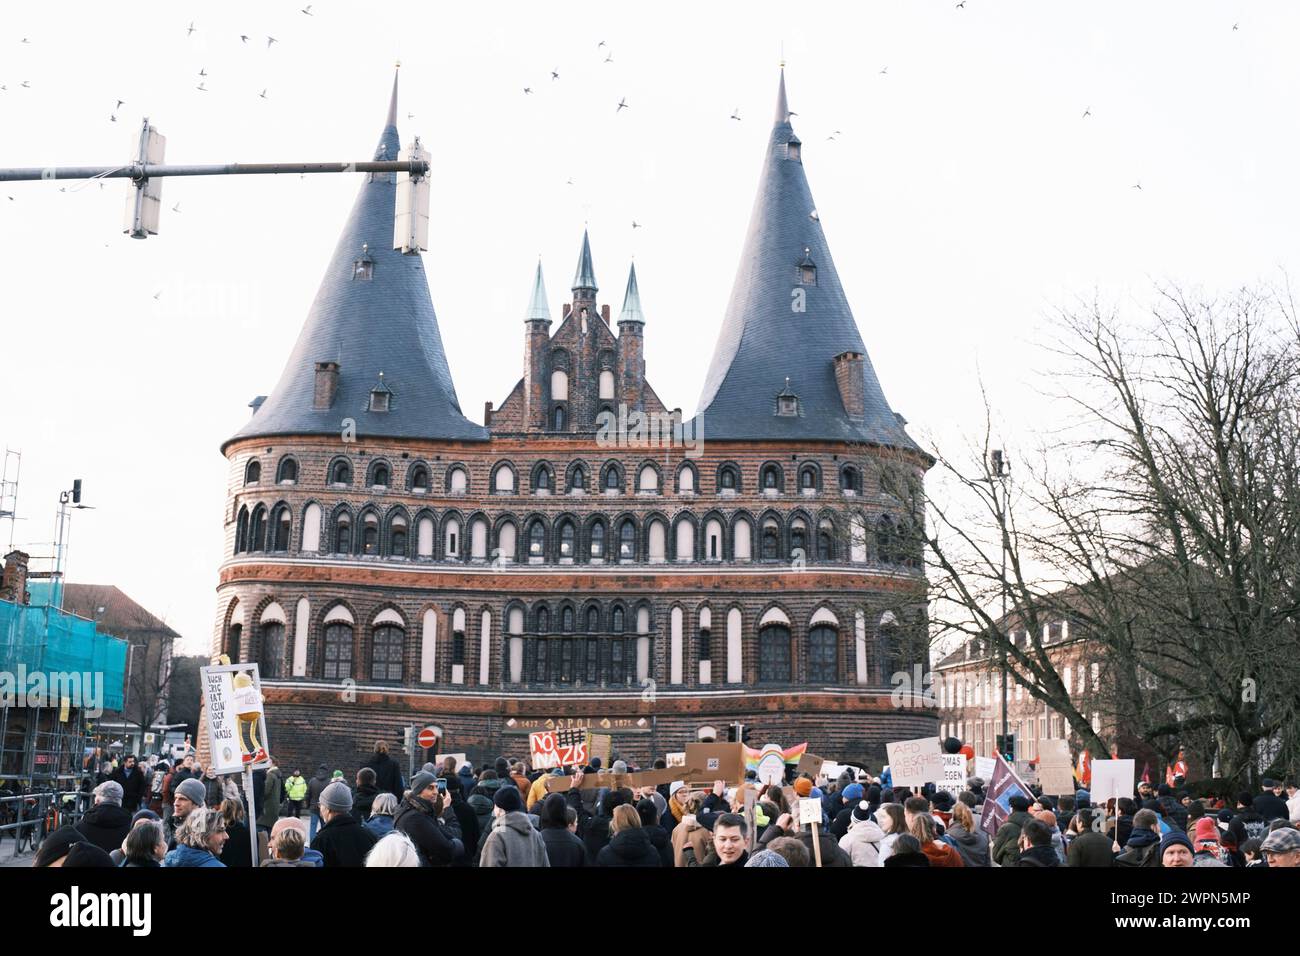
[[831, 854], [628, 843], [893, 823], [418, 817], [656, 834], [1176, 850], [1006, 842], [365, 794], [512, 841], [971, 843], [315, 786], [388, 774], [237, 851], [1143, 847], [145, 845], [381, 815], [466, 819], [862, 841], [189, 796], [789, 849], [730, 843], [925, 829], [297, 825], [131, 779], [286, 849], [563, 848], [689, 831], [907, 852], [395, 849], [1035, 845], [273, 795], [107, 823], [199, 839], [342, 841], [1270, 805], [1087, 846], [1282, 848]]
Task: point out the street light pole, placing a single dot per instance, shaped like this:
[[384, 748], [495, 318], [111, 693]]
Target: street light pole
[[1000, 470]]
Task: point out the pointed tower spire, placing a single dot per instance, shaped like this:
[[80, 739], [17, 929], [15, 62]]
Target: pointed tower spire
[[631, 301], [789, 319], [372, 314], [392, 103], [585, 276], [538, 310]]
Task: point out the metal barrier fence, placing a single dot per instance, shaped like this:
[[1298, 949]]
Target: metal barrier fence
[[31, 815]]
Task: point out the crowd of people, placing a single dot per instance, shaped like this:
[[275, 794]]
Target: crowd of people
[[503, 815]]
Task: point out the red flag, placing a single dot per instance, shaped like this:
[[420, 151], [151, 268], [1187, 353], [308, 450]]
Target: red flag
[[1083, 771], [1146, 772]]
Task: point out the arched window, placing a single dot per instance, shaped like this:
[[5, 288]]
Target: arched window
[[257, 529], [503, 480], [419, 479], [340, 473], [798, 540], [506, 542], [338, 651], [774, 654], [241, 531], [386, 653], [885, 540], [233, 637], [850, 480], [771, 540], [559, 385], [566, 620], [598, 540], [593, 619], [536, 540], [543, 620], [617, 620], [771, 478], [397, 537], [742, 539], [627, 541], [617, 665], [281, 525], [825, 541], [272, 650], [808, 478], [613, 478], [559, 419], [451, 539], [253, 472], [566, 540], [288, 471], [343, 534], [577, 478], [647, 479], [823, 655], [713, 540], [457, 481], [542, 480], [686, 480], [728, 479], [684, 541], [370, 534]]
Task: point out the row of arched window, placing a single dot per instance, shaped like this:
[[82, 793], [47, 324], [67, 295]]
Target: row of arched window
[[556, 644], [571, 539], [578, 477]]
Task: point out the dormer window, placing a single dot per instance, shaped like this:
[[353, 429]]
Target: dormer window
[[787, 402], [380, 396], [807, 269], [792, 149], [364, 266]]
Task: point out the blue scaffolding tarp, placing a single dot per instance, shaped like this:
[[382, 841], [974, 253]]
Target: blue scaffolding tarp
[[35, 639]]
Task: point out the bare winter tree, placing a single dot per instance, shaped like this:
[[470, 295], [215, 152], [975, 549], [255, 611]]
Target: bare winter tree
[[1164, 521], [148, 684]]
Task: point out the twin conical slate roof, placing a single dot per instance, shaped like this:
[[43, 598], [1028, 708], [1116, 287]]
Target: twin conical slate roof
[[632, 300], [385, 323], [777, 326], [584, 277]]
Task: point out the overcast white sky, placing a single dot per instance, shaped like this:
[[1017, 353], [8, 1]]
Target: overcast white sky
[[965, 198]]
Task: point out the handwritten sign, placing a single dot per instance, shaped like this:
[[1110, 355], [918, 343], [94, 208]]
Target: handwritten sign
[[954, 774], [1055, 772], [914, 763], [558, 748], [1111, 779], [810, 811], [236, 725]]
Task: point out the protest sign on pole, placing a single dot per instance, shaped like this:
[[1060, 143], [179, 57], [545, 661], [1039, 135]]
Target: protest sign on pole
[[1055, 771], [549, 749], [1111, 779], [677, 759], [914, 763], [810, 810], [984, 768], [954, 774], [237, 738]]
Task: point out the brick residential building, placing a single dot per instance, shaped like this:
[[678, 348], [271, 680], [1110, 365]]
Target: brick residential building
[[392, 563]]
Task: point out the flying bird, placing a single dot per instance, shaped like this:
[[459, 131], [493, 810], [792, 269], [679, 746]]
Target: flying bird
[[884, 71], [25, 40], [191, 29], [176, 208], [1137, 186], [112, 119], [201, 88], [528, 89], [736, 113], [119, 104], [243, 38], [269, 41], [157, 294], [262, 95], [26, 84], [554, 75], [962, 5], [1086, 113], [569, 183], [610, 58], [635, 224], [307, 10], [622, 104], [202, 72], [598, 45], [1234, 26]]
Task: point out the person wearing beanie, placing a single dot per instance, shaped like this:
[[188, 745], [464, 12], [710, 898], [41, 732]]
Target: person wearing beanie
[[419, 817], [1176, 850], [86, 853], [803, 787], [849, 798], [767, 858], [563, 848], [189, 795], [1006, 842], [55, 847], [861, 841], [1205, 844], [1082, 799], [342, 841], [315, 786], [107, 823], [512, 841]]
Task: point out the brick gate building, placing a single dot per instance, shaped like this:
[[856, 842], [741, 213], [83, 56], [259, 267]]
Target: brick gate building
[[390, 562]]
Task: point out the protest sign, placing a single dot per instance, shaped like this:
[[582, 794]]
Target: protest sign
[[954, 774], [716, 762], [1111, 779], [984, 768], [810, 811], [1004, 784], [811, 764], [237, 738], [676, 759], [459, 758], [914, 763], [602, 746], [558, 748], [1055, 771]]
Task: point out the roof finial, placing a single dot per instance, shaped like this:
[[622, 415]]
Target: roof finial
[[782, 107]]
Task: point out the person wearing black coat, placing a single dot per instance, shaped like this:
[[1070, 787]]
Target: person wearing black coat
[[388, 775], [417, 817], [629, 844], [342, 841], [657, 834], [465, 817], [363, 800], [131, 779], [598, 827], [563, 848], [106, 824]]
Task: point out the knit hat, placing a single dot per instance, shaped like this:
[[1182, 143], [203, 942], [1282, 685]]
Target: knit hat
[[1172, 837], [595, 763], [144, 815], [110, 791], [675, 786], [1207, 831], [862, 812], [430, 768], [420, 782], [86, 853], [975, 783], [767, 858], [1282, 840], [56, 845], [336, 797], [508, 799], [193, 791], [1047, 817], [853, 793], [337, 775], [803, 786], [942, 801], [620, 766]]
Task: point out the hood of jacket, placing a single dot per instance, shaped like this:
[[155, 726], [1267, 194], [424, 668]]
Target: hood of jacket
[[966, 838], [106, 815], [322, 773], [480, 804], [517, 821], [1038, 856], [1141, 838]]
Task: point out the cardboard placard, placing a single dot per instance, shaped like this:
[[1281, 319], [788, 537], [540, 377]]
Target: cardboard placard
[[460, 759], [717, 762], [1055, 772], [984, 768], [954, 774], [1111, 779], [914, 763], [811, 764], [810, 811], [602, 746], [618, 781], [558, 748], [676, 759], [237, 738]]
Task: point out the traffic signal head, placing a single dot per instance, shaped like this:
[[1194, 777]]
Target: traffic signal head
[[76, 491]]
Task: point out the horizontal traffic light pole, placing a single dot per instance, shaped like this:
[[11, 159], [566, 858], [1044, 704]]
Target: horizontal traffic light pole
[[139, 171]]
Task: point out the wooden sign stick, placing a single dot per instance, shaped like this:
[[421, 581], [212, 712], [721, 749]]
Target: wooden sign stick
[[817, 844]]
